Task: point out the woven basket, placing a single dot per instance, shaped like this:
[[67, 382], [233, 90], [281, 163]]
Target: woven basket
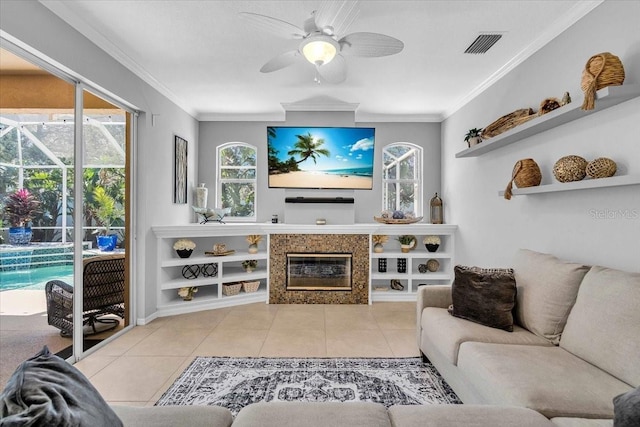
[[526, 173], [508, 121], [601, 70], [231, 289], [570, 168], [250, 287], [601, 168]]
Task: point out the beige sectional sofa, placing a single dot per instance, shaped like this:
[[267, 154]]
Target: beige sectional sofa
[[574, 346]]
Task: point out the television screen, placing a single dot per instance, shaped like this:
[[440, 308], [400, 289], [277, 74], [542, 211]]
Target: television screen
[[321, 157]]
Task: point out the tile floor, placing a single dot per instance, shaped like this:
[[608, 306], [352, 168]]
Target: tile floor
[[138, 367]]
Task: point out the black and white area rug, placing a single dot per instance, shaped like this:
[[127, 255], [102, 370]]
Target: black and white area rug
[[234, 383]]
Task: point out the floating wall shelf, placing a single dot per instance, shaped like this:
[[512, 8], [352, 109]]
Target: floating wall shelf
[[605, 98], [614, 181]]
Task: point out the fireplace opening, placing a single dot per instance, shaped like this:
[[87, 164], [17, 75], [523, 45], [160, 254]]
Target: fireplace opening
[[318, 271]]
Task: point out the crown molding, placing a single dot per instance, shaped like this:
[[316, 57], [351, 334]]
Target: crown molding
[[364, 117], [241, 117], [576, 13]]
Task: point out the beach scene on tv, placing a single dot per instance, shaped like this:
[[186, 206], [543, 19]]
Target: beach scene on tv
[[308, 157]]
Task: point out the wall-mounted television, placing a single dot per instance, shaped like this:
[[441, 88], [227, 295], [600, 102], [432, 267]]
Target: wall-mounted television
[[321, 157]]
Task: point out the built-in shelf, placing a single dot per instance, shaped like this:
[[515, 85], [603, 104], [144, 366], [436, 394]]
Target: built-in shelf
[[605, 98], [614, 181]]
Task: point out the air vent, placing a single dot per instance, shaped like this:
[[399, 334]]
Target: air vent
[[483, 43]]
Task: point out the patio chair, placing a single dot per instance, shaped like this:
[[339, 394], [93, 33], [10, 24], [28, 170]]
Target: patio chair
[[104, 280]]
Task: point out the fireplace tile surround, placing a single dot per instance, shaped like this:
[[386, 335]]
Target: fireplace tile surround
[[282, 244]]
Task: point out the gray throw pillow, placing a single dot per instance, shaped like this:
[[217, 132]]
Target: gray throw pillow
[[626, 409], [47, 391], [484, 295]]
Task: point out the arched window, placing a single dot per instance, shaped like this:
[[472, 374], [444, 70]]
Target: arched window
[[402, 178], [236, 180]]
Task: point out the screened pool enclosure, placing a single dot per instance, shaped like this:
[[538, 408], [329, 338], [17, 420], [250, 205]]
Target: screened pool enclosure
[[37, 153]]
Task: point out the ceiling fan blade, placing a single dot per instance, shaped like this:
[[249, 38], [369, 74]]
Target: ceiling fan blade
[[281, 61], [369, 45], [335, 71], [338, 15], [275, 26]]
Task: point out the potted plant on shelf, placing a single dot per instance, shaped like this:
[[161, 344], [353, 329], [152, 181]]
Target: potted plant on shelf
[[407, 242], [19, 210], [184, 247], [473, 137], [187, 292], [106, 213], [378, 241], [432, 243], [253, 240], [249, 265]]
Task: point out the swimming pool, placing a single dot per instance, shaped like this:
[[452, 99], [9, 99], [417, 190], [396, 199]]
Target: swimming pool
[[35, 278]]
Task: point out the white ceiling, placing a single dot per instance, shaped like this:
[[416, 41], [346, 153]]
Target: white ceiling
[[206, 59]]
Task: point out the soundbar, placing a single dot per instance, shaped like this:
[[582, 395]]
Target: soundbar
[[346, 200]]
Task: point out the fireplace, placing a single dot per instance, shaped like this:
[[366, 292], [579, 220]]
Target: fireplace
[[329, 251], [318, 272]]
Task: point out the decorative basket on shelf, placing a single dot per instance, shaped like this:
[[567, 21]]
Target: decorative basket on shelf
[[601, 167], [397, 221], [250, 287], [526, 173], [231, 289], [570, 168], [602, 70]]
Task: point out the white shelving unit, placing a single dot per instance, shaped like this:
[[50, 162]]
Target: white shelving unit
[[412, 278], [614, 181], [228, 269], [605, 98], [169, 276]]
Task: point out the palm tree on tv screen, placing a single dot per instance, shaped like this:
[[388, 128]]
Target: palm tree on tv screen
[[306, 148]]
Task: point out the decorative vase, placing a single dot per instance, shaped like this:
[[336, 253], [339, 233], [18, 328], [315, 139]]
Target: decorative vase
[[378, 248], [187, 293], [248, 269], [20, 235], [201, 195], [431, 247], [107, 243], [402, 265], [184, 253], [474, 141], [382, 265], [253, 248], [405, 248]]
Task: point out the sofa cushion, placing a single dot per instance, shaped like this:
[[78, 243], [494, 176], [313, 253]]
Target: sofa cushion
[[581, 422], [484, 295], [626, 409], [465, 415], [47, 391], [173, 416], [549, 380], [604, 325], [546, 290], [447, 333], [312, 414]]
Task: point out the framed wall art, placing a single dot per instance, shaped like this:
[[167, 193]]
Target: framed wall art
[[180, 171]]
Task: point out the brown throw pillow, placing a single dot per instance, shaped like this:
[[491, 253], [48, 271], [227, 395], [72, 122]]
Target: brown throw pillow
[[484, 295]]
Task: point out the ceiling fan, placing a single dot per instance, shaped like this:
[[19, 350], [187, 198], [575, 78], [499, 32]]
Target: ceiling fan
[[321, 41]]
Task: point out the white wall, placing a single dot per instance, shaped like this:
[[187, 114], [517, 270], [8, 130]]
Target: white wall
[[35, 26], [271, 201], [564, 224]]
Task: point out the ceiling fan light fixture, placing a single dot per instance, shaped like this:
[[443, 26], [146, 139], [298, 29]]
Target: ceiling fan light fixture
[[319, 50]]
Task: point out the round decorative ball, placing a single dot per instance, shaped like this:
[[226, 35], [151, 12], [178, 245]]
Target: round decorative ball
[[601, 167], [422, 268], [570, 168], [398, 215], [433, 265]]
